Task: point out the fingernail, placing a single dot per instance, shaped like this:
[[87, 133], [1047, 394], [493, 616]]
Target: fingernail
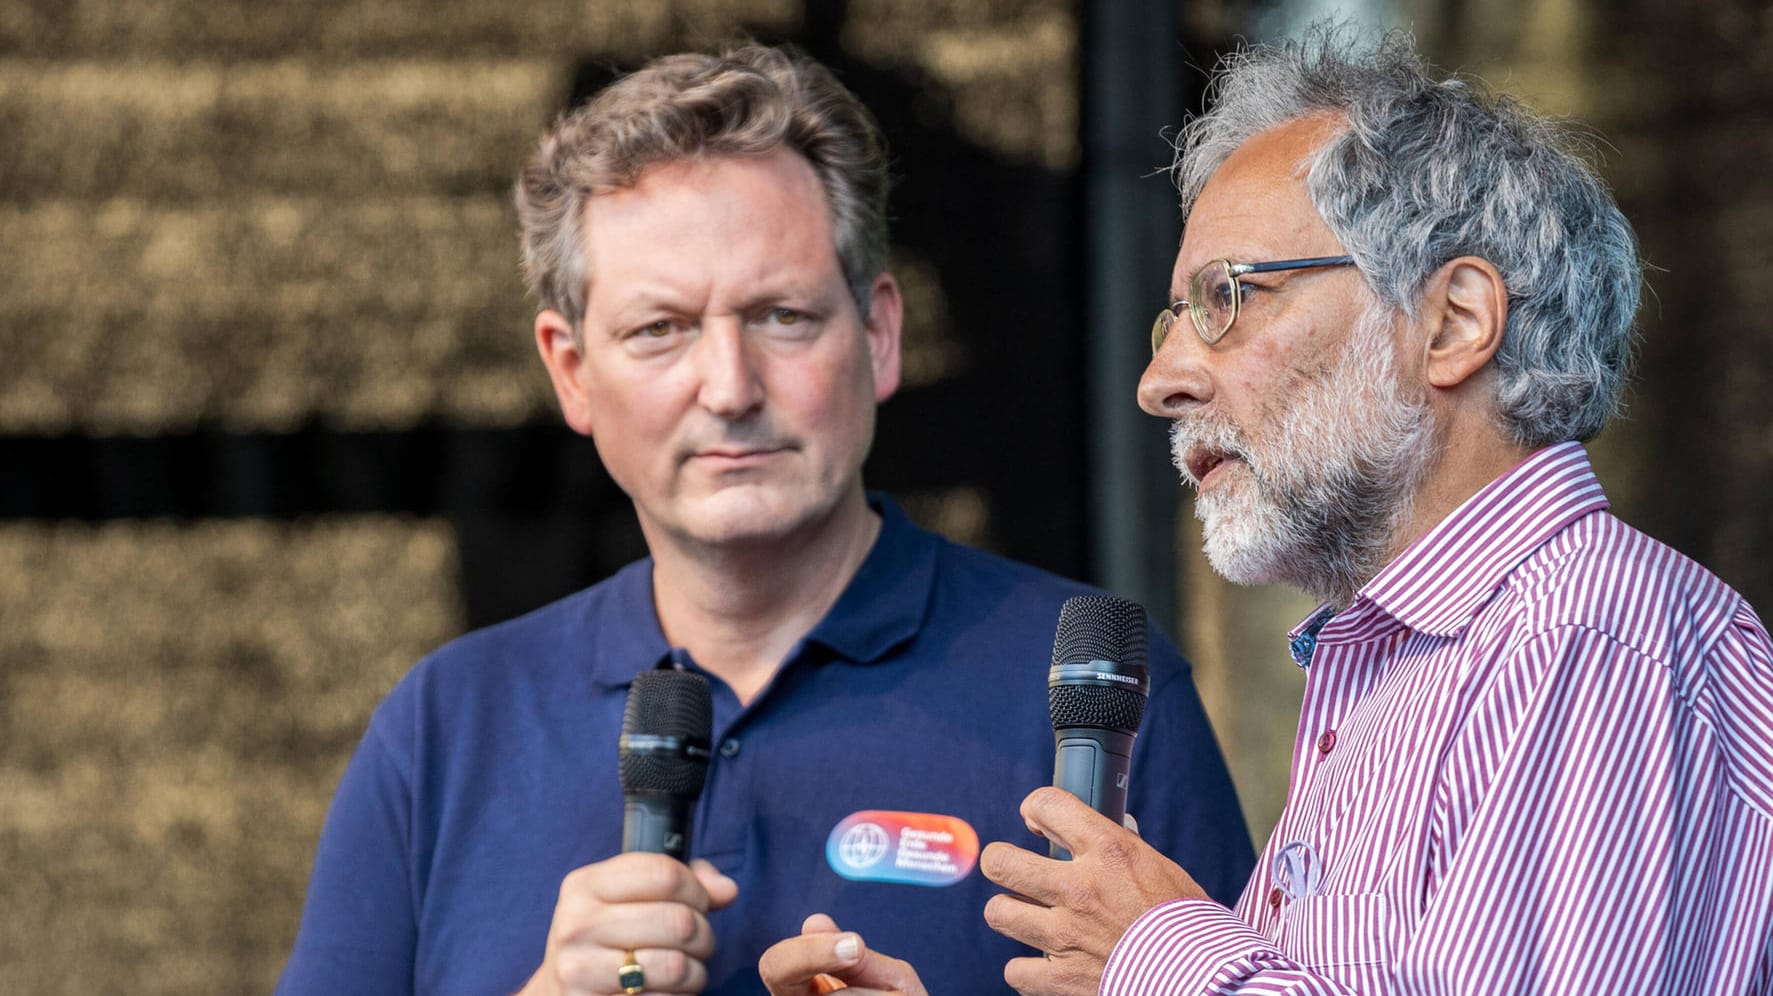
[[849, 947]]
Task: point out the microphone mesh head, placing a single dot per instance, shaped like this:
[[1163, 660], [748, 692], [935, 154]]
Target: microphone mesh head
[[667, 704], [1099, 628]]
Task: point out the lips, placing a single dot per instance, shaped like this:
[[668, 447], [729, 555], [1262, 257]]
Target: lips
[[1204, 443], [1203, 460], [733, 456], [737, 454]]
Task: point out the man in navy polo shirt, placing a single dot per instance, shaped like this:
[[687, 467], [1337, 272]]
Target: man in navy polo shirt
[[707, 239]]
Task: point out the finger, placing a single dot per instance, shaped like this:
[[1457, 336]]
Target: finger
[[880, 975], [1065, 819], [1021, 920], [671, 926], [1024, 872], [638, 877], [721, 890], [1033, 977], [1130, 823], [789, 966], [596, 971], [671, 971]]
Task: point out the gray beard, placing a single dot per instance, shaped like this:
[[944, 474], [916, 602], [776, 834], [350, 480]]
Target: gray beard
[[1320, 505]]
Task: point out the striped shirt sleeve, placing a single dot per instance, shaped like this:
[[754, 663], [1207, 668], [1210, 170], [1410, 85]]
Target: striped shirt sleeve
[[1198, 946]]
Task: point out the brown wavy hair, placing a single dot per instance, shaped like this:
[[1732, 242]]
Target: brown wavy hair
[[747, 100]]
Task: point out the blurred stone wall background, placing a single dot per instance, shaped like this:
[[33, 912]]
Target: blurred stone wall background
[[174, 705], [271, 427]]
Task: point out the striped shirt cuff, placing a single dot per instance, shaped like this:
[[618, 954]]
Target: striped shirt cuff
[[1185, 946]]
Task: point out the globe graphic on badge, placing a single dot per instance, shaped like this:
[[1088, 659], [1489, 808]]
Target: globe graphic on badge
[[863, 845]]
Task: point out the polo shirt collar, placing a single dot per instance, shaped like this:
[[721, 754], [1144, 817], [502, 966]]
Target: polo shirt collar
[[885, 603], [623, 627], [1439, 583], [883, 606]]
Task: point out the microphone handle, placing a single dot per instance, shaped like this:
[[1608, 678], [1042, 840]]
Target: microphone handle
[[656, 823], [1093, 765]]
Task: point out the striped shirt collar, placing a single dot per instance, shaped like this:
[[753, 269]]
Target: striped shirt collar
[[1439, 583]]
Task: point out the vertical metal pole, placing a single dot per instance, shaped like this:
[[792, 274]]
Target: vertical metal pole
[[1131, 58]]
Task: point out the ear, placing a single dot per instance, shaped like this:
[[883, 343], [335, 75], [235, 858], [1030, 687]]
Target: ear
[[564, 357], [1466, 307], [886, 315]]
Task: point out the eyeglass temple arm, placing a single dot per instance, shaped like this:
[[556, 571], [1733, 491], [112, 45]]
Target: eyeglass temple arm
[[1239, 269]]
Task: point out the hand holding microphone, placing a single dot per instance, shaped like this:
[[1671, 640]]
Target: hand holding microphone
[[620, 924], [1075, 905], [1074, 910]]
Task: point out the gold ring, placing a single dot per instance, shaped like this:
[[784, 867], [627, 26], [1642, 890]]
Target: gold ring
[[631, 977]]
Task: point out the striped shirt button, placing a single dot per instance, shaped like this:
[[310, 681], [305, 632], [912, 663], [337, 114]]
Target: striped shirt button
[[1274, 897], [1326, 741]]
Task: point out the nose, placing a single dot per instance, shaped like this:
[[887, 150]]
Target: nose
[[731, 385], [1175, 382]]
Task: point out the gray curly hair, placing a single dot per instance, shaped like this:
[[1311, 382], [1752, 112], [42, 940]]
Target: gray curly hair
[[748, 100], [1427, 170]]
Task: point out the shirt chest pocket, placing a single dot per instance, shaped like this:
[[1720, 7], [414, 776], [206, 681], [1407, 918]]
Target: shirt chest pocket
[[1345, 931]]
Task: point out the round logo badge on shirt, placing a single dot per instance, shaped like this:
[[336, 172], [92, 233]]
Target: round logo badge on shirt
[[878, 845], [863, 845]]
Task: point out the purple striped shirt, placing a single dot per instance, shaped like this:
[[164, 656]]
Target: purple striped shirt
[[1535, 756]]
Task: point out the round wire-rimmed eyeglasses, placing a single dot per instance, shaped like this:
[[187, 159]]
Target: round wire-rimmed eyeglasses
[[1215, 293]]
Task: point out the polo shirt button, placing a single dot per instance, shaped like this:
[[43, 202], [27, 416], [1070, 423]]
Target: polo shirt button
[[1326, 742], [1274, 897], [729, 747]]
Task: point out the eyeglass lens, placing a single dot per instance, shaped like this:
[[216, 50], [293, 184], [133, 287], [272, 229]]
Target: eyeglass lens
[[1213, 300], [1212, 306]]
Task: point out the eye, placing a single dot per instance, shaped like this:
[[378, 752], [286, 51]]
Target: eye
[[655, 338], [657, 329], [786, 324]]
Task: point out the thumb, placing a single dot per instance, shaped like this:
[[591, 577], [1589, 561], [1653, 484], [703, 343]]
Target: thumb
[[721, 890]]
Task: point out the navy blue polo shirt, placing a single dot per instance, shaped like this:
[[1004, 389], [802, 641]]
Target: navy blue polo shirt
[[898, 738]]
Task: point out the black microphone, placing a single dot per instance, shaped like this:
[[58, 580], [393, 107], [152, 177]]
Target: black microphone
[[666, 729], [1097, 690]]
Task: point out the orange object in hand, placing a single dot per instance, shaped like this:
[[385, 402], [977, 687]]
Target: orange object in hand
[[823, 983]]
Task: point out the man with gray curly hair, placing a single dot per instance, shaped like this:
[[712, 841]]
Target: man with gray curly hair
[[1535, 752]]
